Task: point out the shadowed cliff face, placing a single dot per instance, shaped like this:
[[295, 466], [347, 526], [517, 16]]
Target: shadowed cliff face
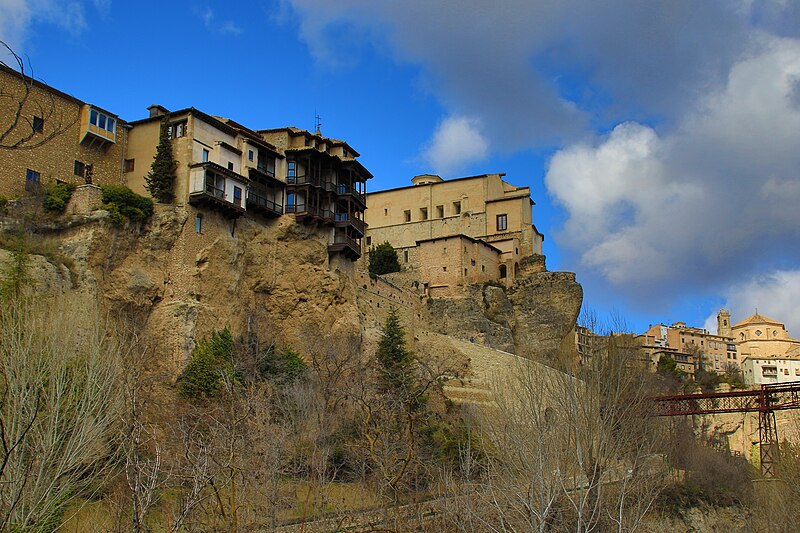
[[530, 319], [174, 284]]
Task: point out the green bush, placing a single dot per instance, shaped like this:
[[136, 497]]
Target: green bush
[[212, 360], [124, 204], [383, 260], [3, 204], [56, 196], [282, 365]]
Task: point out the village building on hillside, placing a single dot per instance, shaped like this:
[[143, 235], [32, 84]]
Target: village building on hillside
[[759, 346], [224, 170], [458, 231], [49, 136]]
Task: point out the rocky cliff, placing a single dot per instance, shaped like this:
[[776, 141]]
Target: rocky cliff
[[274, 278]]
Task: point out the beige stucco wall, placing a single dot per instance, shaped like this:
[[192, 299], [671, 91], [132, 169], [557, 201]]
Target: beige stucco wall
[[788, 370], [55, 159], [774, 340]]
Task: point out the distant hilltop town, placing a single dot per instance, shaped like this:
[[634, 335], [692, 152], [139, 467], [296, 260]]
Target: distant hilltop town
[[449, 233], [759, 346]]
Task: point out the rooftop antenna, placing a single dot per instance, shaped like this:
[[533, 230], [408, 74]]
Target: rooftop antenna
[[317, 123]]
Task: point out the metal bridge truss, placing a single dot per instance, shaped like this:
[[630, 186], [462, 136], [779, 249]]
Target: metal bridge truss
[[764, 401]]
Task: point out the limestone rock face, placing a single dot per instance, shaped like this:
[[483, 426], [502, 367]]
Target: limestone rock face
[[175, 284], [530, 319]]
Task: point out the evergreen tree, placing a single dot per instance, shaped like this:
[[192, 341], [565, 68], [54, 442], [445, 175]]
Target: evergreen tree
[[212, 360], [383, 260], [161, 178], [396, 363]]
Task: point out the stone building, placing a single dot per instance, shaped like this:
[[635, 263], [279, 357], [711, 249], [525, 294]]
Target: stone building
[[692, 347], [490, 218], [762, 337], [230, 170], [47, 135]]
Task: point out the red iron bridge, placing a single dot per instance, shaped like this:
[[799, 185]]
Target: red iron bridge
[[764, 401]]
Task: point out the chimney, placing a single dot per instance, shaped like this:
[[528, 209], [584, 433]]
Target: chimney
[[157, 110]]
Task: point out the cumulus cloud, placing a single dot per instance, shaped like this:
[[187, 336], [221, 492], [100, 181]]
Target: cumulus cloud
[[775, 295], [706, 202], [456, 143], [68, 15], [544, 72]]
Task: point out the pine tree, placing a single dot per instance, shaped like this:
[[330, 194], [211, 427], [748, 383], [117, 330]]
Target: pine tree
[[383, 260], [396, 362], [161, 178]]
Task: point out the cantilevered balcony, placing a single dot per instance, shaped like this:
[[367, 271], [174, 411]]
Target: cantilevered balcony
[[345, 245], [216, 187], [347, 190], [259, 200], [344, 220], [307, 212]]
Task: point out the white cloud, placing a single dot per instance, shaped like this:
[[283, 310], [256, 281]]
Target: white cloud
[[16, 16], [701, 204], [775, 295], [212, 22], [456, 142]]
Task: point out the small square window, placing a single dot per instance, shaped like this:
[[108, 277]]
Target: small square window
[[444, 269], [423, 213], [456, 208], [128, 165], [472, 262], [38, 124], [79, 168], [439, 211]]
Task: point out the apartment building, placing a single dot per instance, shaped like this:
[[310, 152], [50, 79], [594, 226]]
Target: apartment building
[[768, 370], [229, 168], [47, 135], [491, 218], [695, 347]]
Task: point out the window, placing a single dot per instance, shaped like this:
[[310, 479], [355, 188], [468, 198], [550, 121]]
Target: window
[[79, 168], [386, 212], [457, 208], [369, 241], [465, 271], [176, 130], [198, 223], [405, 256], [483, 268], [758, 332], [502, 222], [291, 170], [38, 125], [439, 211], [237, 196], [31, 180], [407, 215], [230, 165], [473, 262], [204, 156], [423, 213], [128, 165], [444, 269], [102, 121], [250, 155]]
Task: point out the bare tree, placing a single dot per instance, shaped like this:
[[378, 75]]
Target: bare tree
[[60, 390], [21, 101]]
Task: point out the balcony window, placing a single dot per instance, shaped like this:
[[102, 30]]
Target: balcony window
[[291, 170]]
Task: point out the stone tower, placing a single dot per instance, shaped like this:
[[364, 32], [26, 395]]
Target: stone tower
[[724, 323]]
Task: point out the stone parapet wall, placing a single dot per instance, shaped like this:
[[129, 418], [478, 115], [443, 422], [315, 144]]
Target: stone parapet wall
[[84, 200]]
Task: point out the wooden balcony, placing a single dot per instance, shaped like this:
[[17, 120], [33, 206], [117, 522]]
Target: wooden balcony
[[309, 213], [345, 245], [257, 201], [215, 198], [344, 220], [343, 189]]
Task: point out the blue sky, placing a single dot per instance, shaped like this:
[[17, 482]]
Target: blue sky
[[660, 139]]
